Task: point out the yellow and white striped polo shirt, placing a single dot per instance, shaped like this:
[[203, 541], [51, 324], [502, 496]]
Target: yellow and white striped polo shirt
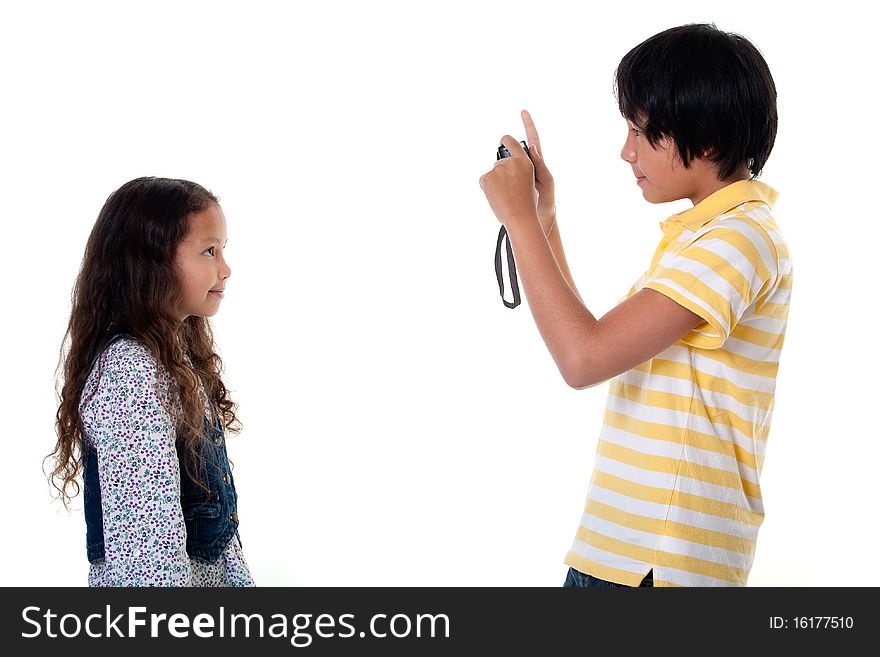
[[675, 486]]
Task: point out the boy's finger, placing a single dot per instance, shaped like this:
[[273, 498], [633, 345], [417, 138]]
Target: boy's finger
[[537, 160], [531, 131], [513, 146]]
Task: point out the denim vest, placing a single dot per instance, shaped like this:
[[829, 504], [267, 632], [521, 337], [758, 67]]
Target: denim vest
[[210, 517]]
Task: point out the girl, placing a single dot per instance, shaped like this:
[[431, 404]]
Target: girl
[[143, 407]]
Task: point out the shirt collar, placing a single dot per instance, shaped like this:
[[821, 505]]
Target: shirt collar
[[720, 202]]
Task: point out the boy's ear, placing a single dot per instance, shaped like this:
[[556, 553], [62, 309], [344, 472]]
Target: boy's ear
[[708, 155]]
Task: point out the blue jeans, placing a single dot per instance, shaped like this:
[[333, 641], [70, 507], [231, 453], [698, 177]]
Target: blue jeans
[[578, 579]]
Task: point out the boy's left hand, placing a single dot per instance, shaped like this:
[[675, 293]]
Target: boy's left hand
[[510, 186]]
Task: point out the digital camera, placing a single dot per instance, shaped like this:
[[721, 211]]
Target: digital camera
[[503, 152]]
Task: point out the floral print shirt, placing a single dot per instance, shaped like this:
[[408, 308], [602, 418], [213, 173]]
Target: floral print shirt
[[125, 417]]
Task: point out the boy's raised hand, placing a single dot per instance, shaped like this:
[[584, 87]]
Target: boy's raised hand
[[544, 186], [510, 186]]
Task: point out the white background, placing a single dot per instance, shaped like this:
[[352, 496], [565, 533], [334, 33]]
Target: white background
[[401, 427]]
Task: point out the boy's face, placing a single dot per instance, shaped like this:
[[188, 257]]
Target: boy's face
[[660, 172]]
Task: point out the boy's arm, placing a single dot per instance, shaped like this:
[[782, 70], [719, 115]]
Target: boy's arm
[[555, 242], [546, 200], [587, 351]]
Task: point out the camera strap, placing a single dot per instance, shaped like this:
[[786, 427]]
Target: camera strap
[[511, 270], [502, 235]]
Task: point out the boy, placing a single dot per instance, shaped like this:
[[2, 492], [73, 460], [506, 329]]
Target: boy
[[674, 499]]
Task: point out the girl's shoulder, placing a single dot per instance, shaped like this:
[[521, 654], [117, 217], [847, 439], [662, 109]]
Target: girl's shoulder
[[125, 355], [126, 391], [128, 367]]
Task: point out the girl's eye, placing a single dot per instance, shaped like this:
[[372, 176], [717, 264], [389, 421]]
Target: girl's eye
[[210, 251], [637, 132]]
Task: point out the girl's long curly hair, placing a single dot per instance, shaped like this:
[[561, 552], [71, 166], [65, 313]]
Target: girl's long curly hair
[[128, 282]]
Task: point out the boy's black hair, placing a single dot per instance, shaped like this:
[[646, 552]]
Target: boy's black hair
[[710, 91]]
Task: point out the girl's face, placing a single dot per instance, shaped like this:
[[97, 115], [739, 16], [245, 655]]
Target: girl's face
[[201, 266]]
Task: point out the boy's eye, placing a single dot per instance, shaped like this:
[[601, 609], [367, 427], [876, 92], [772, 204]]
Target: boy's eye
[[209, 250], [637, 132]]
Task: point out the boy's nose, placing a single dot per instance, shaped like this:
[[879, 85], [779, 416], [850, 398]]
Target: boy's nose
[[628, 153]]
